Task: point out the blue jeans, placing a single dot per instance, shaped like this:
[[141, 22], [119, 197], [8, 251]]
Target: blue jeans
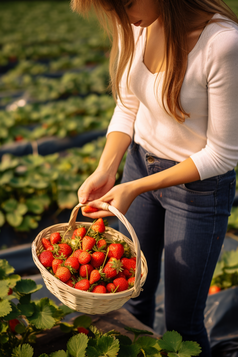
[[189, 223]]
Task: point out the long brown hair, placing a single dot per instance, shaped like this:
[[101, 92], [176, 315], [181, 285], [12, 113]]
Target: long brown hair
[[174, 14]]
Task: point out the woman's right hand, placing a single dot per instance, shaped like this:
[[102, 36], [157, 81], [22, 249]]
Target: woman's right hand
[[96, 186]]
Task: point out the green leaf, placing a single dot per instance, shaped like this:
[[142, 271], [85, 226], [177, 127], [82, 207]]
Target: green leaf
[[66, 310], [2, 219], [138, 332], [14, 219], [82, 321], [9, 163], [23, 351], [5, 268], [10, 205], [65, 327], [189, 348], [27, 309], [77, 345], [149, 345], [67, 200], [27, 224], [12, 280], [13, 314], [3, 327], [4, 288], [27, 286], [60, 353], [171, 341], [5, 308], [42, 317], [106, 346], [19, 182], [20, 328], [129, 350], [4, 339], [22, 208], [34, 205]]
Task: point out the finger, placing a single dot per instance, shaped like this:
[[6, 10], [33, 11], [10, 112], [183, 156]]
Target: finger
[[101, 207]]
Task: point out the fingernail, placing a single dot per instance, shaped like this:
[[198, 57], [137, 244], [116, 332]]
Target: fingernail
[[82, 200]]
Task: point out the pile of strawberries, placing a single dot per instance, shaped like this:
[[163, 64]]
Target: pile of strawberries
[[88, 261]]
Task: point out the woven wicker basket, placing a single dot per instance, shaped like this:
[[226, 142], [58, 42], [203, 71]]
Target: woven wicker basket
[[83, 301]]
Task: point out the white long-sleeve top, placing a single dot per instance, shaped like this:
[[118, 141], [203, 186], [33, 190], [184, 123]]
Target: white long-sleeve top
[[209, 94]]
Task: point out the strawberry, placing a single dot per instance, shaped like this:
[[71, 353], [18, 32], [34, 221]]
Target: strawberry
[[72, 262], [82, 285], [83, 330], [10, 291], [115, 250], [98, 226], [70, 282], [94, 276], [51, 248], [131, 282], [102, 244], [110, 287], [55, 264], [63, 274], [46, 258], [46, 243], [13, 323], [84, 258], [85, 270], [128, 273], [121, 284], [79, 233], [89, 209], [112, 268], [121, 275], [97, 259], [88, 243], [55, 238], [77, 253], [129, 263], [64, 249], [99, 289]]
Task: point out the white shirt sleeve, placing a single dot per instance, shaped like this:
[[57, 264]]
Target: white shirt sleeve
[[221, 152]]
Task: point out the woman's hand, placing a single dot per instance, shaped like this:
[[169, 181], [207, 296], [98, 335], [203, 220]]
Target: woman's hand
[[120, 196], [95, 186]]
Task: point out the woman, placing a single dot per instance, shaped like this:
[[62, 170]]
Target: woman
[[176, 82]]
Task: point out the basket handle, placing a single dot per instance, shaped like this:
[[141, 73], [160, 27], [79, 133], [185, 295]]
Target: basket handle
[[122, 218]]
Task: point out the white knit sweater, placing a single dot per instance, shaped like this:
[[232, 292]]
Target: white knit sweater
[[209, 93]]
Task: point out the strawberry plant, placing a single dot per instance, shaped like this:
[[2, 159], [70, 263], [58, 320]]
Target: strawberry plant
[[22, 320], [226, 272]]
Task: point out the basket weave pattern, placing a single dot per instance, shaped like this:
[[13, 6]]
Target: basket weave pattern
[[83, 301]]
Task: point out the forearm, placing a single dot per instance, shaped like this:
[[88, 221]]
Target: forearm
[[183, 172], [116, 146]]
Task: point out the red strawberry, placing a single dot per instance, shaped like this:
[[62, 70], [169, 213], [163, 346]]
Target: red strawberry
[[77, 253], [97, 259], [72, 262], [121, 275], [70, 282], [85, 270], [94, 276], [112, 268], [79, 233], [102, 244], [83, 330], [99, 289], [129, 263], [89, 209], [46, 243], [131, 282], [63, 274], [84, 258], [110, 287], [55, 264], [82, 285], [88, 243], [13, 323], [46, 258], [51, 248], [10, 291], [98, 226], [64, 249], [128, 273], [55, 238], [115, 250], [121, 284]]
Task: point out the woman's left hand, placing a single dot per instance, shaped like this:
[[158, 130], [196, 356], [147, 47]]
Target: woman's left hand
[[120, 196]]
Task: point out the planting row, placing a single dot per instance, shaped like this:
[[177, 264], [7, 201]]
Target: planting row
[[30, 185], [60, 119]]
